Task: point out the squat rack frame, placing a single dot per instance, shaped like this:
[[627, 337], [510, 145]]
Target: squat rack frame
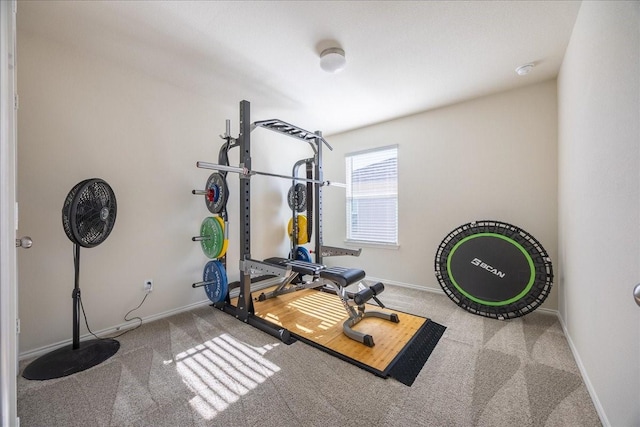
[[244, 310]]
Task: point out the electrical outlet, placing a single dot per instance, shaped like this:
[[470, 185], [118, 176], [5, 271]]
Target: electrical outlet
[[148, 285]]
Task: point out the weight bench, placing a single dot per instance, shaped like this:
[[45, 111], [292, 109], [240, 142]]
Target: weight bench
[[294, 282], [339, 278]]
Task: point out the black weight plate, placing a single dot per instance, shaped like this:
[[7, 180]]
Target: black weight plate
[[216, 194], [297, 197]]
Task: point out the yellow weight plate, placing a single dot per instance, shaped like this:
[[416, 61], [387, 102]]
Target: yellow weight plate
[[221, 221], [302, 229], [225, 244]]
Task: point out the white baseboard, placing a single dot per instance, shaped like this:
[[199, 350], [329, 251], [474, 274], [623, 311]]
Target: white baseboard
[[109, 331], [234, 293], [128, 325], [592, 392]]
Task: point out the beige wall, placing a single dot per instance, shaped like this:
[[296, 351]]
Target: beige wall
[[488, 158], [83, 117], [599, 201]]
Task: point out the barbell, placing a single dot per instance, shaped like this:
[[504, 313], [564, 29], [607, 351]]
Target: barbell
[[247, 173]]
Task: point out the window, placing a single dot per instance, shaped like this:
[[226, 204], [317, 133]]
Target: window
[[372, 195]]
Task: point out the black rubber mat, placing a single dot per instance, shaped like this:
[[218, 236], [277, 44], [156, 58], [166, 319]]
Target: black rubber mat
[[408, 364]]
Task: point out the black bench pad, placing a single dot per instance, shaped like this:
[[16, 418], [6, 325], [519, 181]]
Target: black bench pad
[[342, 276], [301, 267]]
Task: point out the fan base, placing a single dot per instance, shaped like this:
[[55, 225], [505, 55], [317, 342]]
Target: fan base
[[67, 360]]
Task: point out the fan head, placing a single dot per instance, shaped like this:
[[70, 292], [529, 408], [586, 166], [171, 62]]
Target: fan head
[[89, 212]]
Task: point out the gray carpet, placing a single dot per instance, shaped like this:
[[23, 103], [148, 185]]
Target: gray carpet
[[204, 368]]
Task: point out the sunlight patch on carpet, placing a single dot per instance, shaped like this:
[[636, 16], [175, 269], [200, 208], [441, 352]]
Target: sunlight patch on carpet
[[221, 370]]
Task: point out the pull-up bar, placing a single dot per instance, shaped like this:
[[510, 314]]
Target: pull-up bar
[[246, 172], [288, 129]]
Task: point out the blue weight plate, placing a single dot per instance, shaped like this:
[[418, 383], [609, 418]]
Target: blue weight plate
[[215, 273], [302, 254]]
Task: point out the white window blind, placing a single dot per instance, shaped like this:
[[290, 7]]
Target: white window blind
[[372, 195]]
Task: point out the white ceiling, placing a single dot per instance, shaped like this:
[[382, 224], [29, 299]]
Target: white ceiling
[[403, 57]]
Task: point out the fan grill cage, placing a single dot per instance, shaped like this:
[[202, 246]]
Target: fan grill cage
[[89, 212]]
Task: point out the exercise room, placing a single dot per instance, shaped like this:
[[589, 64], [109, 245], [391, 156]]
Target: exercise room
[[320, 213]]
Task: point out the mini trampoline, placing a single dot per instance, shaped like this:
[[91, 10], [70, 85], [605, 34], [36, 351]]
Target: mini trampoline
[[494, 269]]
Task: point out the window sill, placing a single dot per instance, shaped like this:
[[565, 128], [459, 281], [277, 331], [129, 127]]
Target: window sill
[[369, 244]]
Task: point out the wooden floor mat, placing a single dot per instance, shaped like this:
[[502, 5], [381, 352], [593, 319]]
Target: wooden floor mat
[[317, 317]]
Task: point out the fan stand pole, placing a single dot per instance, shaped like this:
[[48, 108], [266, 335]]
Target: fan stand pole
[[76, 297], [79, 356]]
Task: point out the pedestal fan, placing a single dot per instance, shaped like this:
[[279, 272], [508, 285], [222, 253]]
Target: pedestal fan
[[88, 216]]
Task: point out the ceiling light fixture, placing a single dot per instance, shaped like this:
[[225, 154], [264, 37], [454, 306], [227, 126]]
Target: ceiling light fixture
[[332, 60], [525, 69]]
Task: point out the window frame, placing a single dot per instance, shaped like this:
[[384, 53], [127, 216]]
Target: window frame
[[349, 196]]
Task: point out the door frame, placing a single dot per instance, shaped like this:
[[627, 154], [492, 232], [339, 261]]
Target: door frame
[[8, 217]]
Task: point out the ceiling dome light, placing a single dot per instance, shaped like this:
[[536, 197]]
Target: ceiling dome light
[[525, 69], [332, 60]]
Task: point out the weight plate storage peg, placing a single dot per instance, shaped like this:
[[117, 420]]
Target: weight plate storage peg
[[216, 193], [211, 237], [297, 197], [216, 283]]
